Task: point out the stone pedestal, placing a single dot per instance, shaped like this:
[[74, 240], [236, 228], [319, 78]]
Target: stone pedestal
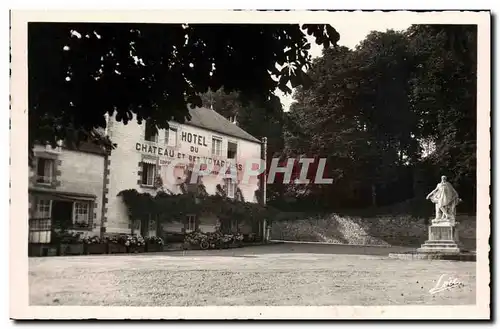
[[443, 238]]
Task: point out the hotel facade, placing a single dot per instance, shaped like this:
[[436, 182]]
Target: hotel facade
[[79, 187]]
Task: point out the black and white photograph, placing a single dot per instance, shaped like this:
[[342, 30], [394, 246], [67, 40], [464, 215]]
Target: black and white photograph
[[250, 164]]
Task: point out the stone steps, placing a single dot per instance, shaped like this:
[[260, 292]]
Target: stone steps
[[442, 239], [442, 250], [440, 246], [461, 256]]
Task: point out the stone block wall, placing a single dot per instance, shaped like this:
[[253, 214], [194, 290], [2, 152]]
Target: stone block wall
[[382, 230]]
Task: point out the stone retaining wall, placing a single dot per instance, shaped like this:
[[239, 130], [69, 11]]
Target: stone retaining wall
[[382, 230]]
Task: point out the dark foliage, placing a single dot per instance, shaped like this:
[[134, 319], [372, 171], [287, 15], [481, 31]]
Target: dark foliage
[[78, 72], [375, 110]]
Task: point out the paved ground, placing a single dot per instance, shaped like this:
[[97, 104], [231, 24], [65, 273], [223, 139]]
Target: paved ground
[[285, 274]]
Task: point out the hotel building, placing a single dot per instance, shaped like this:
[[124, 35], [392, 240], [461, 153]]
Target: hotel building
[[80, 187]]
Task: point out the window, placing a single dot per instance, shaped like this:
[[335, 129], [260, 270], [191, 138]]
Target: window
[[81, 214], [148, 174], [232, 149], [152, 224], [43, 208], [216, 146], [137, 226], [234, 226], [230, 188], [44, 171], [40, 224], [229, 226], [150, 133], [190, 222], [171, 137]]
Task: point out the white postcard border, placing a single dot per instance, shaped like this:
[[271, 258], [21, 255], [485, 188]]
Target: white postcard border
[[19, 307]]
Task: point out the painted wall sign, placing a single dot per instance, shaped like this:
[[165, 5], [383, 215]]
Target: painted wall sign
[[215, 170], [155, 150], [194, 139], [169, 154]]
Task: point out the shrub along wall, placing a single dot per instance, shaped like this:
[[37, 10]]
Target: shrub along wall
[[382, 230], [168, 208]]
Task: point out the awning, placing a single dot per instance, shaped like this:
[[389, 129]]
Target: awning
[[150, 160], [71, 196]]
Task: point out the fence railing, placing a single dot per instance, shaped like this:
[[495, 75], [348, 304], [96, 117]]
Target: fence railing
[[40, 230]]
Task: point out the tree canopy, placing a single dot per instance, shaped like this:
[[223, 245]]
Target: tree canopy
[[444, 91], [373, 111], [390, 117], [78, 72]]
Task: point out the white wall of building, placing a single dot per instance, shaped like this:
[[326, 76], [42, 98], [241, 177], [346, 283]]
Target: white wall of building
[[75, 172], [132, 148]]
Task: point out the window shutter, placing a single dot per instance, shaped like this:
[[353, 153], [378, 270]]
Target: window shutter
[[197, 222], [144, 174], [48, 170], [40, 167]]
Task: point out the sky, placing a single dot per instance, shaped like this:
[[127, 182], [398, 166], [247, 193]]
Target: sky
[[350, 36]]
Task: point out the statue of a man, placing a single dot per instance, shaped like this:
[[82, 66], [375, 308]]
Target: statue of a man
[[445, 197]]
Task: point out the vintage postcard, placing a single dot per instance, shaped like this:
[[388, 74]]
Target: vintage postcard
[[250, 165]]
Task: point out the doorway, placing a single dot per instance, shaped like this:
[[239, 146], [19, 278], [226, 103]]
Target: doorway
[[62, 214]]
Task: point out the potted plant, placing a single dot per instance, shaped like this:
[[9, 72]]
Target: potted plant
[[81, 225], [94, 245], [238, 240], [195, 239], [69, 243], [226, 240], [154, 244], [116, 244], [135, 244]]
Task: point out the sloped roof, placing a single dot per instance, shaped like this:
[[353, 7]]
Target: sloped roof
[[211, 120]]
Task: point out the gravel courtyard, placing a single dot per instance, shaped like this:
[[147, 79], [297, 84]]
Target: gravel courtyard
[[278, 275]]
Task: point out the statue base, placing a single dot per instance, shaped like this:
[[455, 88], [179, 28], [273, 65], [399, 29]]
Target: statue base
[[443, 238]]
